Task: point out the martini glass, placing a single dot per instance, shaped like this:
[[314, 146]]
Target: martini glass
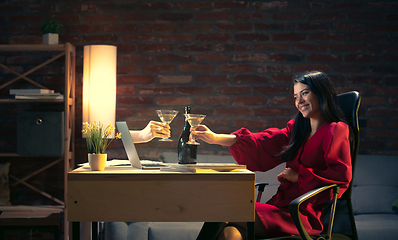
[[166, 116], [194, 120]]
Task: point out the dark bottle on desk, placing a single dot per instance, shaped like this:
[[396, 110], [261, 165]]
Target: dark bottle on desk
[[187, 153]]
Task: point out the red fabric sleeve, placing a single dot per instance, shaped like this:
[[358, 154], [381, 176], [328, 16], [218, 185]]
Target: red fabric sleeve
[[257, 150]]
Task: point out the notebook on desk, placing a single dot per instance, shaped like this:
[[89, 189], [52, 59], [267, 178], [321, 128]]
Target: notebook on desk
[[132, 151]]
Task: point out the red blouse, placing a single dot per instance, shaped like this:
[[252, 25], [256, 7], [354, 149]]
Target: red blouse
[[324, 159]]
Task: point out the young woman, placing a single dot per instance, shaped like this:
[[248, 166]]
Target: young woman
[[315, 148]]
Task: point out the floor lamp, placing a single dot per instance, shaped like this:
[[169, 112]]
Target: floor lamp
[[99, 84]]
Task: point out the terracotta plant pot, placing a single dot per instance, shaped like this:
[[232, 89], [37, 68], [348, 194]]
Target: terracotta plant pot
[[97, 161]]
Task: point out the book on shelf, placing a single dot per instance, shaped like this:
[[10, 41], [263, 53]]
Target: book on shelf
[[31, 91], [53, 96]]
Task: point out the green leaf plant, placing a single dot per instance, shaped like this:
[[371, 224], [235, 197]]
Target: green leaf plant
[[97, 137], [51, 26]]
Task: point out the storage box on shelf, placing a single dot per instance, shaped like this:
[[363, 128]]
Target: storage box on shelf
[[40, 59]]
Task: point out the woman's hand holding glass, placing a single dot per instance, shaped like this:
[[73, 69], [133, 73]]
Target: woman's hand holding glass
[[194, 120], [204, 133], [152, 130]]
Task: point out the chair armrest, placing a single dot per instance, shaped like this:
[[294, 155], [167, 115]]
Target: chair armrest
[[261, 187], [294, 207]]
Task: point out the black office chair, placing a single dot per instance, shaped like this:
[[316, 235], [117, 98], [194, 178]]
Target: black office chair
[[349, 103]]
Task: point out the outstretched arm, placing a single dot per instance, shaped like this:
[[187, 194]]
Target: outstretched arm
[[204, 133], [152, 130]]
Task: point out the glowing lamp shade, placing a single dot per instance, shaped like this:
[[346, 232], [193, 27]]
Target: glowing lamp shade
[[99, 84]]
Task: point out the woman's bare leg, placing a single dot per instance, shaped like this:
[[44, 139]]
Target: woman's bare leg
[[234, 231], [237, 230]]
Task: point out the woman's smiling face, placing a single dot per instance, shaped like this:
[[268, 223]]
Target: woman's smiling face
[[306, 101]]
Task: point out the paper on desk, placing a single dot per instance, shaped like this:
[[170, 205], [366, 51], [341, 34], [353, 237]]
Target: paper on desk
[[175, 169], [123, 162], [113, 162], [219, 167]]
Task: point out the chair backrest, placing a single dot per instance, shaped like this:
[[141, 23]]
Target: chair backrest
[[349, 104]]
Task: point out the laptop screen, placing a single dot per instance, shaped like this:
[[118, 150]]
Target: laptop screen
[[129, 145]]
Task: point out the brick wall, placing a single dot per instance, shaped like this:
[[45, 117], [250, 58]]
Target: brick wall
[[230, 60]]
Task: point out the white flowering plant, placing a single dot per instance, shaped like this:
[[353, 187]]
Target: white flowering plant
[[97, 136]]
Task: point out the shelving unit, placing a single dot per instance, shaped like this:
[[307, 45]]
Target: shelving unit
[[67, 51]]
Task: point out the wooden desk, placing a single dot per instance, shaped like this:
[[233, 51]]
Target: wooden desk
[[125, 194]]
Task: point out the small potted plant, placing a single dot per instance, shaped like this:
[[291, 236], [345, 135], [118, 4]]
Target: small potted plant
[[50, 29], [97, 139]]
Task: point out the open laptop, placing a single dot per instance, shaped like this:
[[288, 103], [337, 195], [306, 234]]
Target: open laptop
[[132, 151]]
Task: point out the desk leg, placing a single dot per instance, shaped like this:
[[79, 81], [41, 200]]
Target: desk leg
[[250, 231], [95, 230], [84, 231], [76, 230]]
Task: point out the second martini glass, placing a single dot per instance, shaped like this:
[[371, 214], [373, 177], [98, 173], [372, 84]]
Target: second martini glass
[[194, 120]]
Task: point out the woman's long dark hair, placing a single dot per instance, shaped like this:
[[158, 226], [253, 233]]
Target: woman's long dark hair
[[322, 87]]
